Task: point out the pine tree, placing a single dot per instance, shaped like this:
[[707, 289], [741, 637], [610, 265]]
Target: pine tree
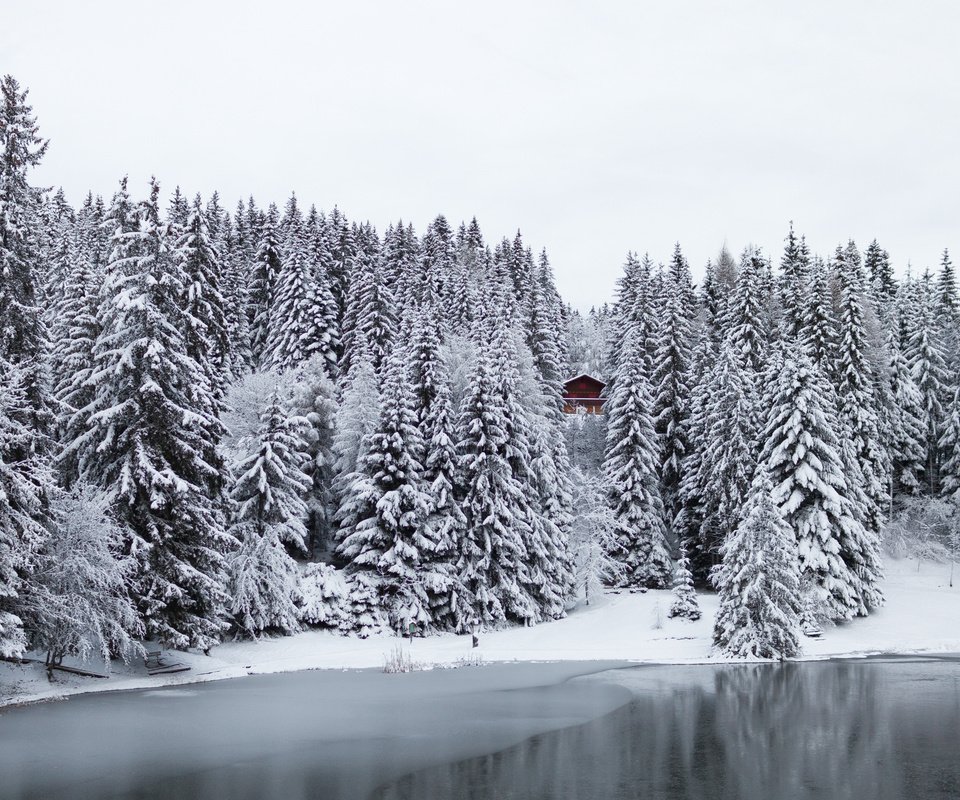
[[263, 283], [685, 603], [270, 513], [538, 460], [747, 320], [758, 583], [880, 272], [387, 541], [949, 446], [370, 315], [356, 420], [947, 286], [299, 320], [716, 490], [491, 553], [818, 335], [802, 456], [23, 336], [907, 447], [445, 520], [927, 362], [858, 413], [234, 270], [24, 483], [76, 330], [634, 310], [795, 272], [630, 465], [670, 381], [151, 442], [206, 334], [314, 399]]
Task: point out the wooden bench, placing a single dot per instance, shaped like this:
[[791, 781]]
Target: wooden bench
[[157, 664]]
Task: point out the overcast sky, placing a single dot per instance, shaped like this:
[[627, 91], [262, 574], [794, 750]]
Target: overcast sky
[[594, 128]]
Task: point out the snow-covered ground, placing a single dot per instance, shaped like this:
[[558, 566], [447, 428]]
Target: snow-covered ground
[[922, 614]]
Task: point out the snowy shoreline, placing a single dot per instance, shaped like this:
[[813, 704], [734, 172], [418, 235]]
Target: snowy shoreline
[[921, 617]]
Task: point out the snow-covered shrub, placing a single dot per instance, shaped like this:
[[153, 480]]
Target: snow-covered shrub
[[927, 529], [76, 602], [592, 535], [324, 593]]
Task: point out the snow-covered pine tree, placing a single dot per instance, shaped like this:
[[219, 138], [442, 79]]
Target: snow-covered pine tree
[[491, 552], [324, 300], [630, 466], [685, 603], [445, 520], [370, 313], [858, 411], [726, 457], [949, 446], [926, 357], [438, 260], [263, 282], [234, 270], [269, 516], [801, 455], [818, 335], [795, 274], [947, 287], [299, 319], [472, 263], [670, 381], [387, 540], [633, 311], [75, 332], [907, 445], [747, 319], [758, 582], [206, 335], [178, 212], [23, 335], [314, 399], [538, 459], [883, 285], [151, 443], [60, 232], [24, 483], [343, 254]]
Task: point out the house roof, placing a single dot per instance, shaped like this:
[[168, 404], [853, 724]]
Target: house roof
[[584, 375]]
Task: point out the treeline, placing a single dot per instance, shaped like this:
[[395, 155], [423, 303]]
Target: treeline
[[393, 404], [769, 422], [221, 422]]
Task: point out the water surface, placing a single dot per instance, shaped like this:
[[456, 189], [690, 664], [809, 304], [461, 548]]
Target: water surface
[[872, 729]]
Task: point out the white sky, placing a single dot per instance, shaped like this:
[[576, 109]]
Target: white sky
[[593, 127]]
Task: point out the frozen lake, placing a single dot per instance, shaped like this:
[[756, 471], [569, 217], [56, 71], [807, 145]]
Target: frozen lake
[[877, 728]]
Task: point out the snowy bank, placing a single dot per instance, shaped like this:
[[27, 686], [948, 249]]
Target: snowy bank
[[922, 614]]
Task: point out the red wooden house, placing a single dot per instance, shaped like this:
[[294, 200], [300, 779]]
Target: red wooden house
[[583, 392]]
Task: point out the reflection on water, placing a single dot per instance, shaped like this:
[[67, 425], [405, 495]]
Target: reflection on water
[[863, 729]]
